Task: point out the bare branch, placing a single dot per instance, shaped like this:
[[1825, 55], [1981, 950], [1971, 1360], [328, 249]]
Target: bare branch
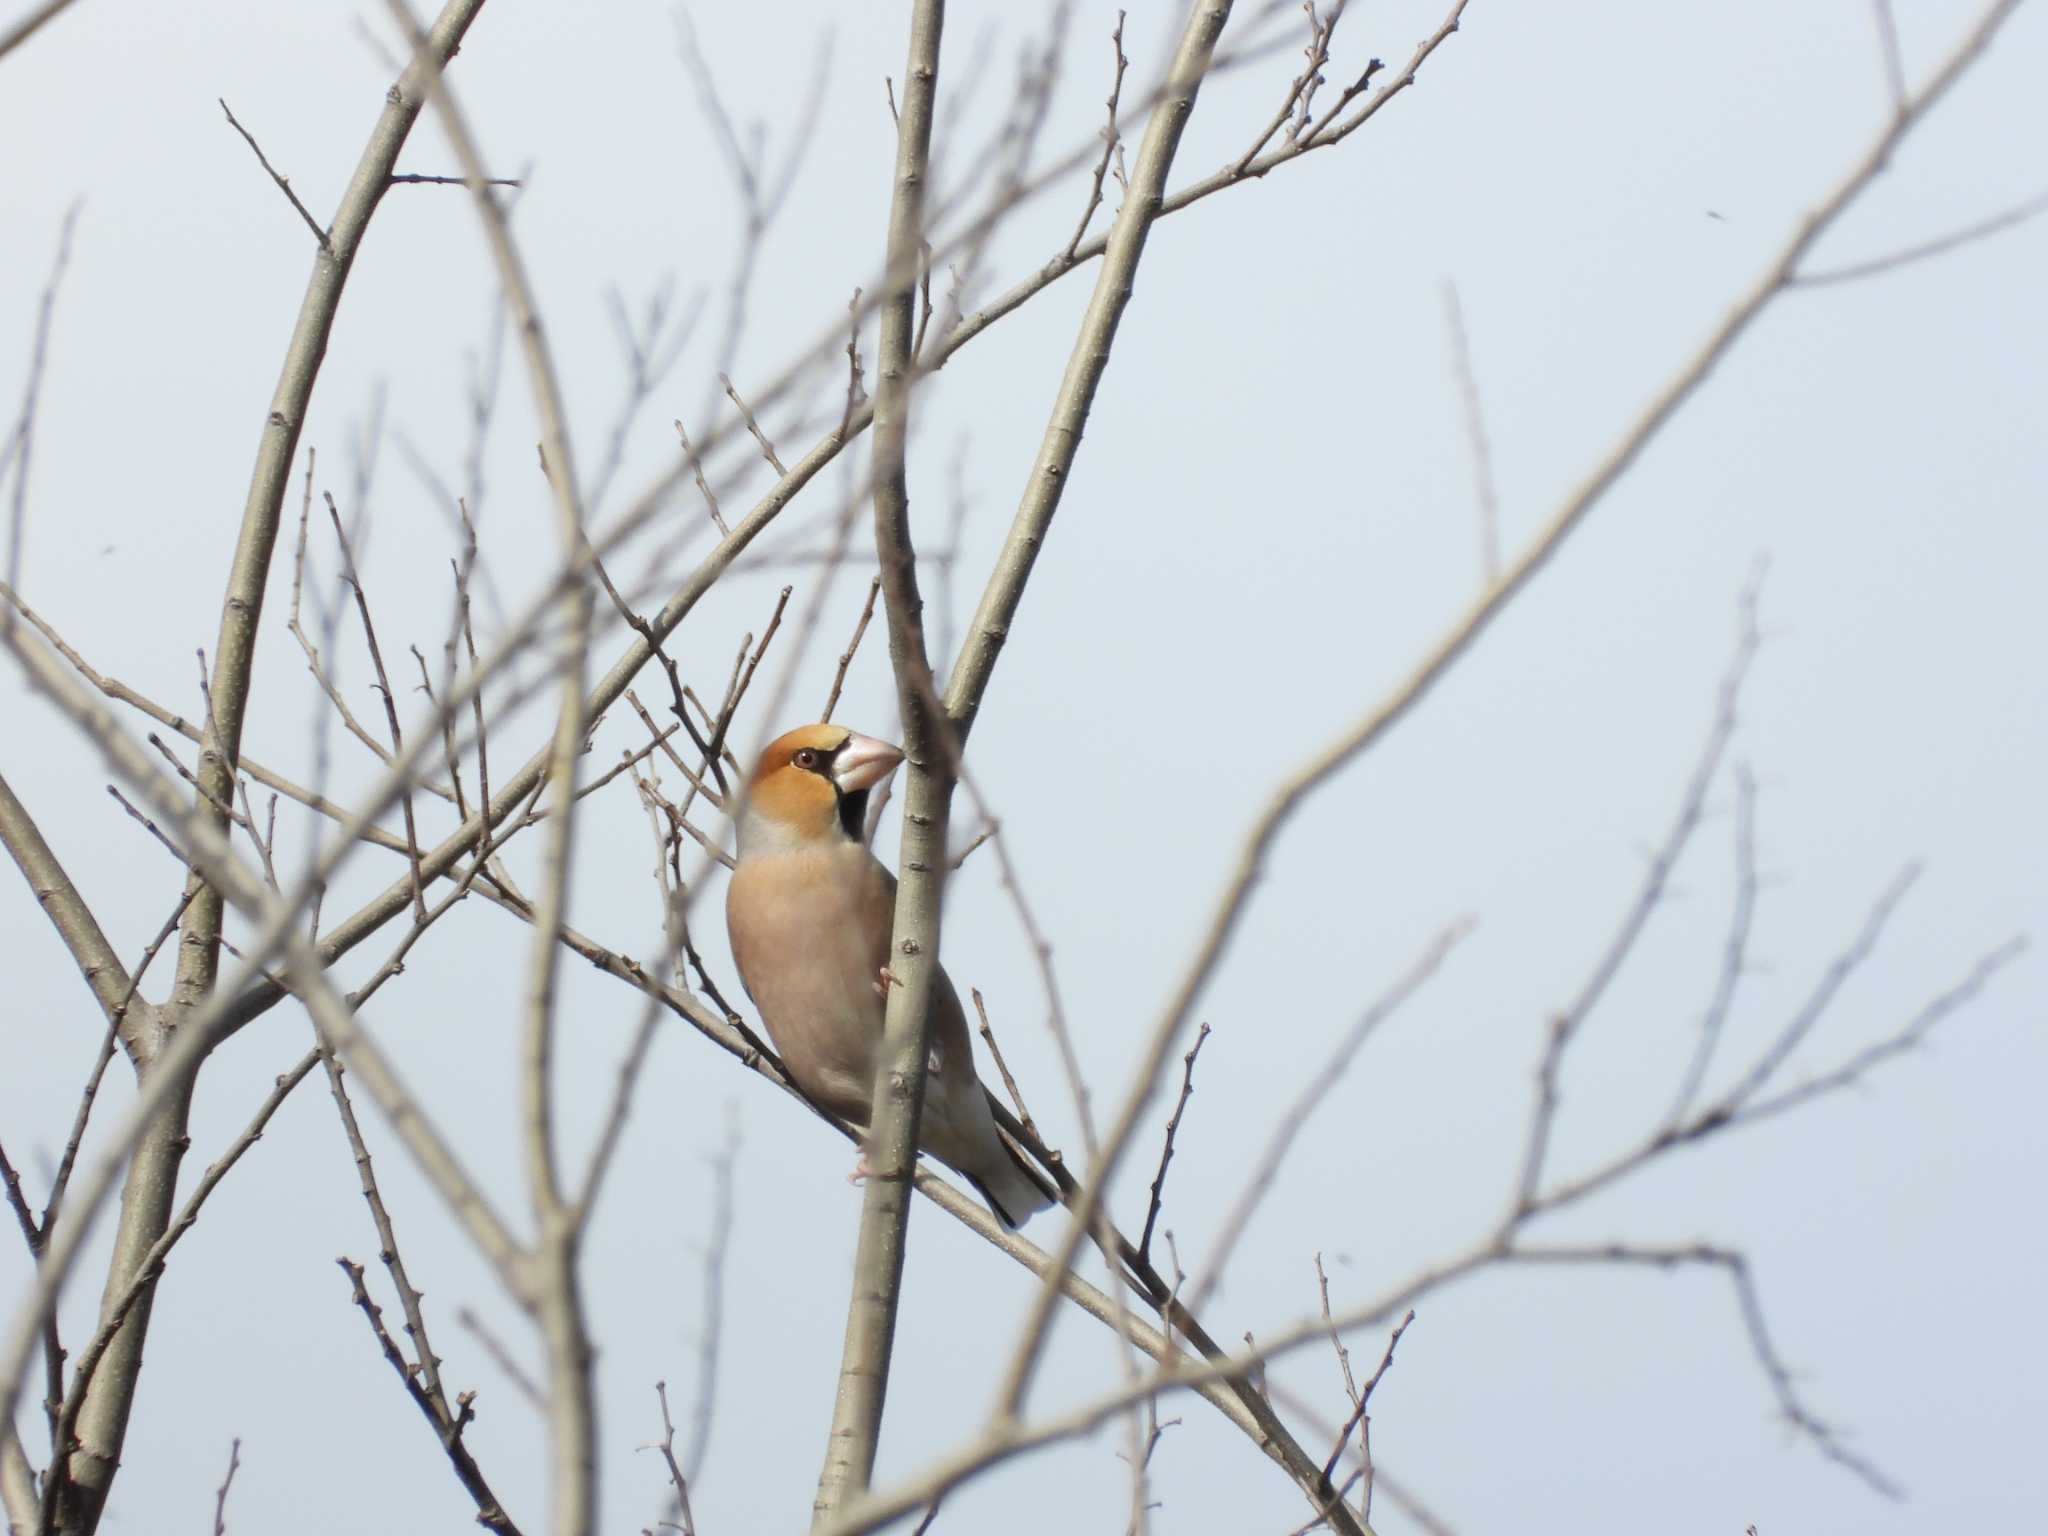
[[1736, 1267], [1475, 431], [1905, 1039], [856, 396], [1293, 111], [1941, 245], [117, 1308], [492, 1345], [121, 693], [697, 468], [711, 1319], [384, 691], [988, 1038], [1565, 1025], [1111, 138], [1888, 45], [427, 1363], [1187, 1088], [846, 656], [753, 426], [414, 179], [914, 947], [1325, 1078], [1361, 1400], [19, 449], [27, 27], [86, 1099], [490, 1514], [1809, 1012], [220, 1497], [283, 185], [679, 1485], [1734, 949], [66, 909]]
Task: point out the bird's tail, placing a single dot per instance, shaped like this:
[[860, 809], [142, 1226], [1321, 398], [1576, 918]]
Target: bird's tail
[[1014, 1189]]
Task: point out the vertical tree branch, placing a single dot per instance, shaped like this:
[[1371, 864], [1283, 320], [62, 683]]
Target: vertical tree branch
[[928, 793], [151, 1185]]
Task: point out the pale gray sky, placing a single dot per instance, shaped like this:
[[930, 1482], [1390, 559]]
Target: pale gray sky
[[1272, 518]]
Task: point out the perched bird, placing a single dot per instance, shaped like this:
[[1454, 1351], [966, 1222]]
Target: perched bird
[[809, 912]]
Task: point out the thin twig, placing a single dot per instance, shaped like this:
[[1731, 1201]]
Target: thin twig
[[220, 1497], [679, 1486], [846, 656], [384, 691], [467, 1319], [490, 1514], [1475, 431], [988, 1038], [711, 1316], [1969, 234], [1111, 140], [1565, 1024], [1736, 1267], [1187, 1088], [426, 1363], [20, 444], [1888, 46], [1360, 1419], [856, 396], [283, 185], [697, 468], [1320, 1084], [414, 179], [753, 426]]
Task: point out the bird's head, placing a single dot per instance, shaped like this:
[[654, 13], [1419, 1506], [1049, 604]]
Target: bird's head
[[810, 788]]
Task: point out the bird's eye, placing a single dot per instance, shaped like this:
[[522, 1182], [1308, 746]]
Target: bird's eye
[[807, 758]]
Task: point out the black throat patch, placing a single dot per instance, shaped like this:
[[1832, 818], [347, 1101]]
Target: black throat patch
[[853, 814]]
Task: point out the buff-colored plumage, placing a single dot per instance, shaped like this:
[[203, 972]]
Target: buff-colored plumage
[[809, 912]]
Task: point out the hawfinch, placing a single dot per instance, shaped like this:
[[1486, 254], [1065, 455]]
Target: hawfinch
[[810, 912]]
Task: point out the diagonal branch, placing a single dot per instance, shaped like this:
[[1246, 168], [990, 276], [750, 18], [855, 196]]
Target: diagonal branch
[[65, 908], [448, 1428], [28, 26], [283, 185]]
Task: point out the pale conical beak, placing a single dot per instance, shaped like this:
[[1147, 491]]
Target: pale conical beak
[[863, 762]]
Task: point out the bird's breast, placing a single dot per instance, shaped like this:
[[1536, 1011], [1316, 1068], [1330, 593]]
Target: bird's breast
[[810, 933]]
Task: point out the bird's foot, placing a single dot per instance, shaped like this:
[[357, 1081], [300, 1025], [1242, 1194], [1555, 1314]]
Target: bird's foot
[[863, 1170], [884, 980]]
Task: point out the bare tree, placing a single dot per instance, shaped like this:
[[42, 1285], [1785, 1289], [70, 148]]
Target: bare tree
[[509, 721]]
